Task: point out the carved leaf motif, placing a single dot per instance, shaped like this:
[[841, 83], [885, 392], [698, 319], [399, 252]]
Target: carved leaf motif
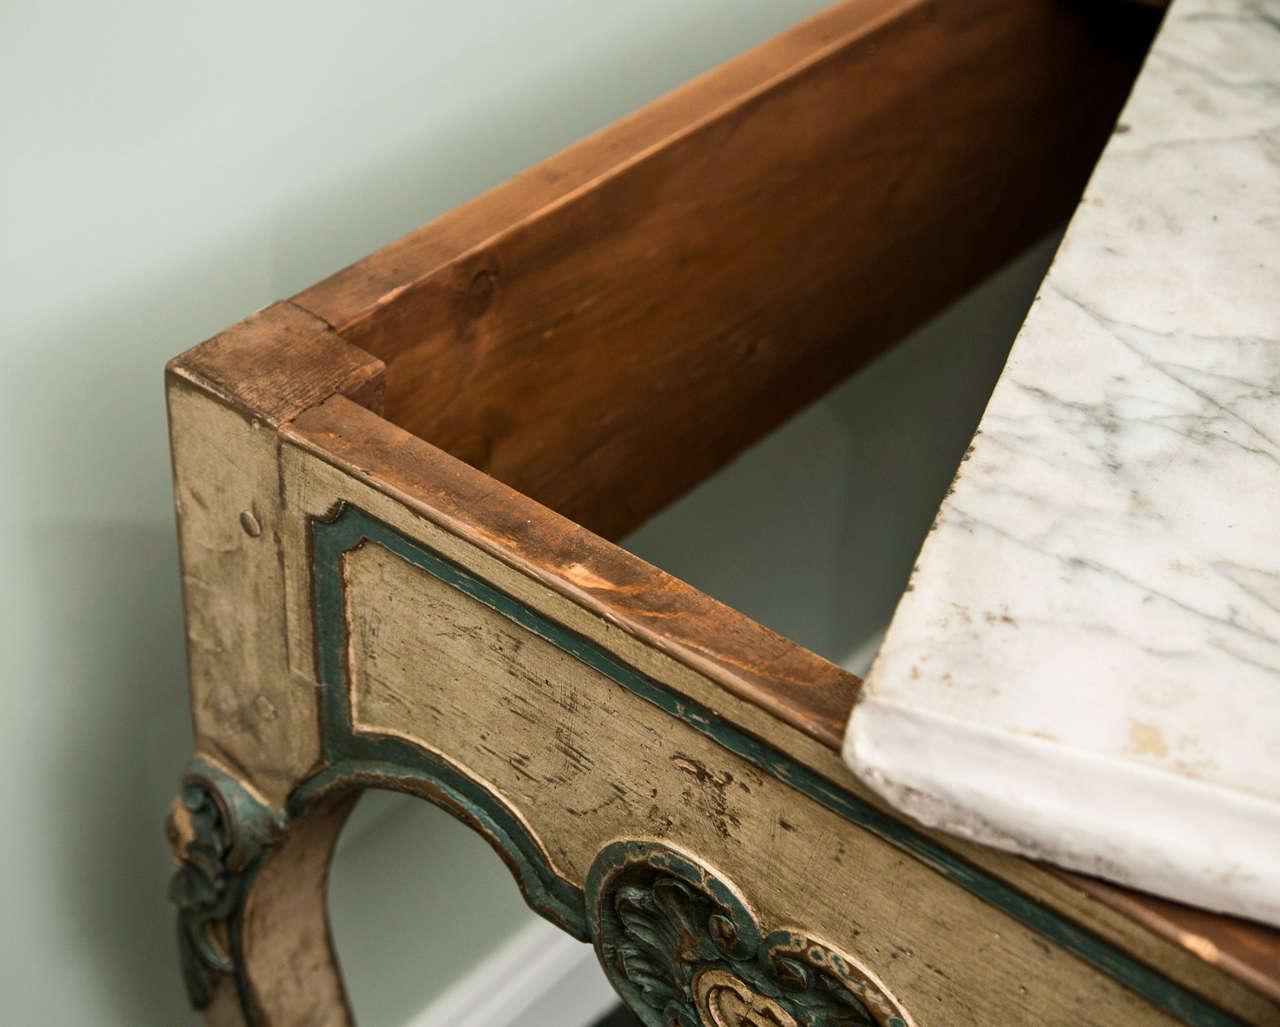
[[201, 887], [218, 836]]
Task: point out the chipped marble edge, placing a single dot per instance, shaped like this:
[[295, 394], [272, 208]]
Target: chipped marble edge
[[1137, 816]]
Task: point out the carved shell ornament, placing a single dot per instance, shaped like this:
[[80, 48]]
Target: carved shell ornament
[[683, 950]]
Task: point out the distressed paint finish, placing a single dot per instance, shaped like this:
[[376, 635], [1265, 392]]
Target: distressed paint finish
[[252, 712], [450, 624], [338, 451], [551, 840], [227, 497]]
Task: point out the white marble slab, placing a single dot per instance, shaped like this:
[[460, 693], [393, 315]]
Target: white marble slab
[[1086, 666]]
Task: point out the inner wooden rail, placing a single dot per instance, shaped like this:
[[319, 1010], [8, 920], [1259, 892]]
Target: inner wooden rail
[[608, 328]]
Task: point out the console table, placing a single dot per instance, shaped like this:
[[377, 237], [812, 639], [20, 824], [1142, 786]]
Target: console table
[[395, 494]]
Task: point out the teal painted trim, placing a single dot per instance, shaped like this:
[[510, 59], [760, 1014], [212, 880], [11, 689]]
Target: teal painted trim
[[385, 762], [395, 765], [352, 527]]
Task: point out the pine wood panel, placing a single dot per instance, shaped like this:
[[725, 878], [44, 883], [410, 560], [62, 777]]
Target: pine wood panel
[[667, 291]]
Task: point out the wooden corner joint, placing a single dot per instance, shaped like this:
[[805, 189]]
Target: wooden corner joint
[[277, 363]]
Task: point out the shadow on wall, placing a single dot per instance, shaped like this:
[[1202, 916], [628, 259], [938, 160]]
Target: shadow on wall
[[111, 639], [170, 170]]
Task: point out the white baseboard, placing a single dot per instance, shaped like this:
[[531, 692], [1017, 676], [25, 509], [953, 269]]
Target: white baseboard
[[539, 978]]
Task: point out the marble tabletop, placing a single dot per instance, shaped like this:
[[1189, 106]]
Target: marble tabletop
[[1085, 667]]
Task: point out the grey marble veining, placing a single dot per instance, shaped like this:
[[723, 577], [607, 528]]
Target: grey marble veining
[[1086, 666]]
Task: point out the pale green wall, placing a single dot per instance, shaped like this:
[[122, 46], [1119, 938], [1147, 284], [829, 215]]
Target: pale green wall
[[168, 167]]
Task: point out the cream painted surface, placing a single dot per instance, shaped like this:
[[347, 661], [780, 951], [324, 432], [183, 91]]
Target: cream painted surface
[[168, 168], [434, 666], [1087, 667], [232, 579]]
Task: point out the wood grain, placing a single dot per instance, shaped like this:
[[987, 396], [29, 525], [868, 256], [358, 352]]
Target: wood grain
[[797, 686], [608, 328], [1247, 950], [277, 362], [291, 967]]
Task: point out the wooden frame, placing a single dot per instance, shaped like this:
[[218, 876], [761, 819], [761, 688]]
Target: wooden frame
[[369, 609]]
